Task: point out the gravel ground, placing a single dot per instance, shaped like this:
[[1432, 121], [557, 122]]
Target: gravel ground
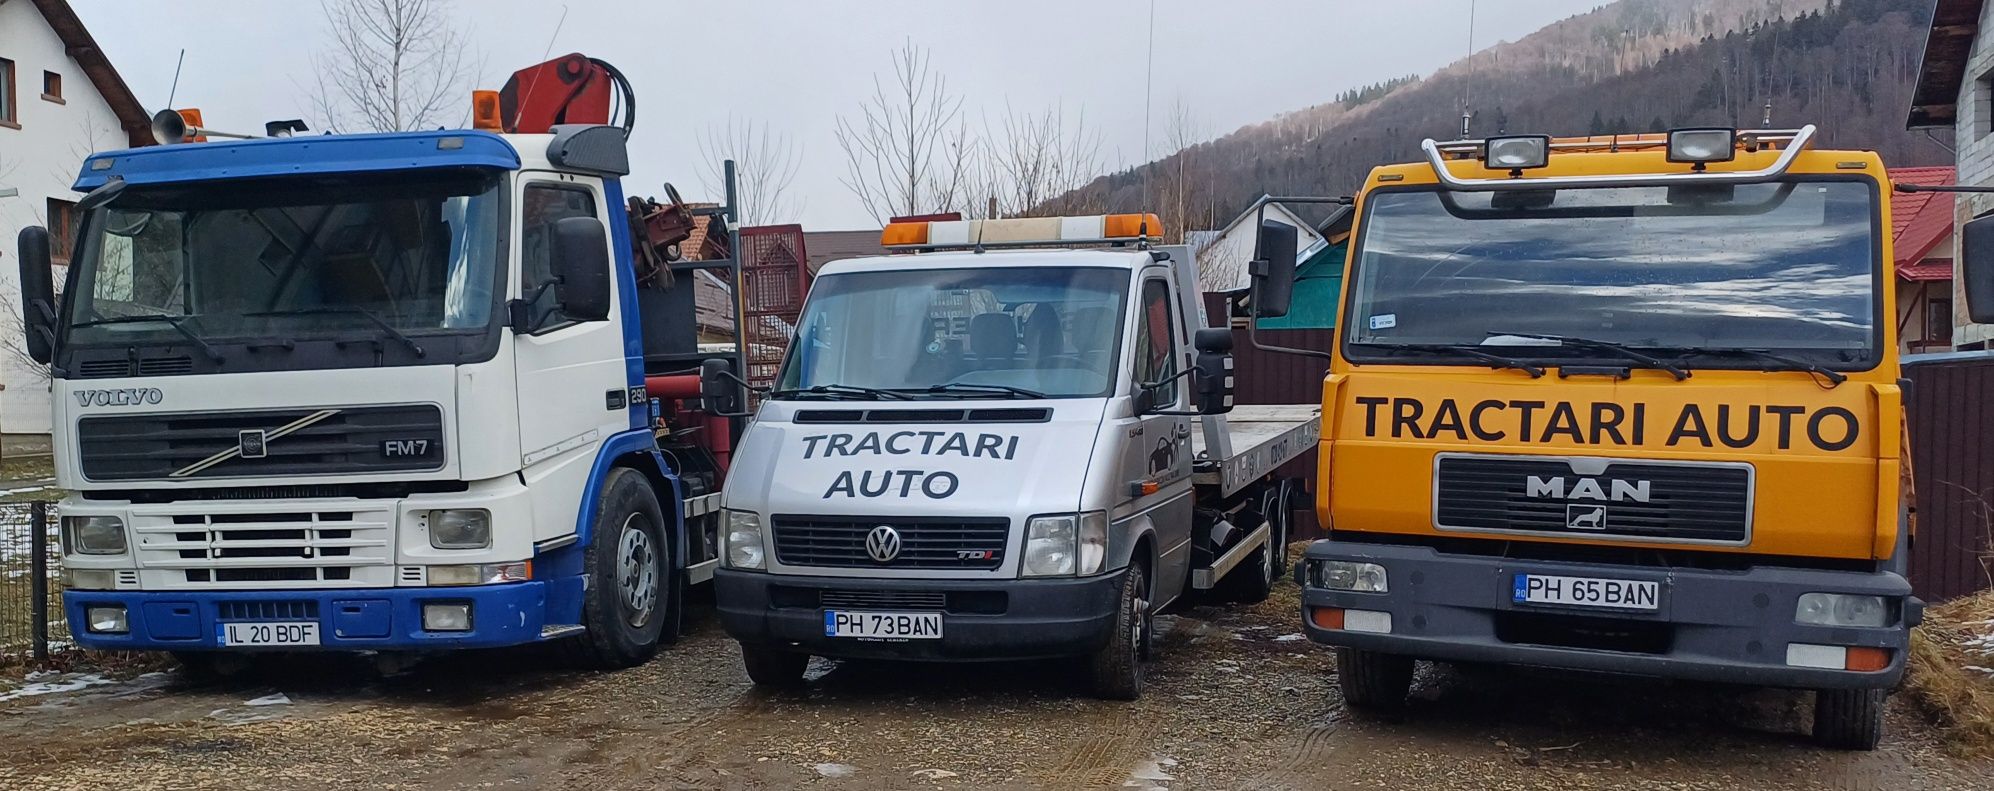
[[1236, 701]]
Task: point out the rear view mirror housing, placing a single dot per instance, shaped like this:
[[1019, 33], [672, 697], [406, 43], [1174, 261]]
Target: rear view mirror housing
[[37, 294], [719, 389], [1273, 269], [581, 262], [1214, 370], [1976, 268]]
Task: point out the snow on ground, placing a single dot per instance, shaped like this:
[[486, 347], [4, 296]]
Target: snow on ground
[[48, 683]]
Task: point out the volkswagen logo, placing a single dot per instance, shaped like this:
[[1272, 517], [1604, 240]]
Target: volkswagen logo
[[883, 543]]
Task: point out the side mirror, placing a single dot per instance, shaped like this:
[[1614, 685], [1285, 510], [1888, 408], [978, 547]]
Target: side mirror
[[1976, 268], [37, 294], [1214, 370], [1274, 269], [718, 388], [581, 261]]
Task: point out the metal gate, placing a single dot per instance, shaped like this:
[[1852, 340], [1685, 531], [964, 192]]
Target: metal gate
[[775, 274]]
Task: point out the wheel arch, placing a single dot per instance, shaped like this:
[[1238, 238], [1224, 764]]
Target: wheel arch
[[636, 451]]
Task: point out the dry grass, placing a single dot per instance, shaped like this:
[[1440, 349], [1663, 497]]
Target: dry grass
[[1961, 701]]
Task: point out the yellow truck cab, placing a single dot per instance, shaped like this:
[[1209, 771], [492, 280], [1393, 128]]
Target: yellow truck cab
[[1619, 404]]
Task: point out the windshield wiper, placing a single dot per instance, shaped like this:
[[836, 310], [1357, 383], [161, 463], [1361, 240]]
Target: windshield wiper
[[1781, 362], [1644, 359], [1495, 361], [168, 319], [967, 388], [385, 326], [840, 390]]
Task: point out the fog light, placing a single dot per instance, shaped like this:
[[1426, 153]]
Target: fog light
[[447, 616], [1347, 575], [1374, 621], [90, 579], [107, 619], [1841, 609], [1517, 153], [1702, 145], [481, 573]]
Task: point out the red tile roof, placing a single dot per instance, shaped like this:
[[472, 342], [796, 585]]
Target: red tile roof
[[1919, 221], [1928, 269]]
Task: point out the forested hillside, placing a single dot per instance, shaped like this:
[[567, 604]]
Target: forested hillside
[[1632, 66]]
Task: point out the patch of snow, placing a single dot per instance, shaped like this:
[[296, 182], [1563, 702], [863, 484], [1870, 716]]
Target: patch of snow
[[277, 699], [54, 683], [836, 770], [1290, 638], [933, 774]]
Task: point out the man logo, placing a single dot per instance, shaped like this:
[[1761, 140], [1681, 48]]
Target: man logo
[[1585, 517], [883, 544], [1615, 490]]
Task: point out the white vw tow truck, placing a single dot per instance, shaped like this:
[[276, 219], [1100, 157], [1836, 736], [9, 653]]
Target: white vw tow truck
[[992, 450]]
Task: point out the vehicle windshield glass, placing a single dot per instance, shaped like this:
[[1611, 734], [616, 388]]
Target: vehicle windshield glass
[[1786, 267], [289, 258], [1048, 330]]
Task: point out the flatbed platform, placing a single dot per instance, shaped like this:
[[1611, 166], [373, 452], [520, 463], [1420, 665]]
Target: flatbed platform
[[1264, 437]]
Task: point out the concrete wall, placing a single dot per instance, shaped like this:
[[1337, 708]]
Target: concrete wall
[[40, 159]]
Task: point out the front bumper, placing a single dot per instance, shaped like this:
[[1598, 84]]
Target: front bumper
[[354, 619], [984, 620], [1720, 626]]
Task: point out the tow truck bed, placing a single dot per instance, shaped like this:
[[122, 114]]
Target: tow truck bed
[[1264, 437]]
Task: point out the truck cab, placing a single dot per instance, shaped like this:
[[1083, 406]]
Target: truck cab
[[982, 453], [1620, 404]]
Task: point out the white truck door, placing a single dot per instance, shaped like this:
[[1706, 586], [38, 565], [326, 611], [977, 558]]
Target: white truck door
[[570, 373], [1159, 449]]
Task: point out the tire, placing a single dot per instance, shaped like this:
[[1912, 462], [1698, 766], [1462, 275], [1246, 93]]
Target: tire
[[1849, 719], [1116, 669], [774, 667], [629, 580], [1372, 681]]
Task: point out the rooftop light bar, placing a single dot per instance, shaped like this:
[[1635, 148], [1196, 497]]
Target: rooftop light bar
[[1022, 232]]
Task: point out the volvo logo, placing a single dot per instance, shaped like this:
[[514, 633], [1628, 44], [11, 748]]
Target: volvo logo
[[883, 544], [1613, 490], [124, 396]]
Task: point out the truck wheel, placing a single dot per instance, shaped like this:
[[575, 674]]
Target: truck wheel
[[628, 574], [1116, 668], [1849, 719], [774, 667], [1372, 681]]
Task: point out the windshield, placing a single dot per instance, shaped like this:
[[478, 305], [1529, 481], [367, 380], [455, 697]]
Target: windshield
[[1784, 267], [1050, 331], [289, 258]]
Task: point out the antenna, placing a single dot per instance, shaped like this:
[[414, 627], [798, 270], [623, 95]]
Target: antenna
[[1468, 116], [543, 58], [175, 90], [1766, 122], [1148, 77]]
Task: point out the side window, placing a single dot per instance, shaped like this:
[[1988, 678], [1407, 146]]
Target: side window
[[542, 206], [1156, 341]]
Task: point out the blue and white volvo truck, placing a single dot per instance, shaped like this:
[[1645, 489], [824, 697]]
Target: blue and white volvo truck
[[381, 392]]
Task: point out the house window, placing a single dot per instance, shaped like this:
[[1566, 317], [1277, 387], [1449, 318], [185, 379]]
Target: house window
[[61, 230], [8, 115], [1983, 104], [1938, 320], [52, 87]]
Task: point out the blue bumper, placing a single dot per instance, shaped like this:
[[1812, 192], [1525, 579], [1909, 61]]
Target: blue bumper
[[358, 619]]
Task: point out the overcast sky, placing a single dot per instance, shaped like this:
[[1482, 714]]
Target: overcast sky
[[797, 65]]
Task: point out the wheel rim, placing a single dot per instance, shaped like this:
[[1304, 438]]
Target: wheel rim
[[637, 571]]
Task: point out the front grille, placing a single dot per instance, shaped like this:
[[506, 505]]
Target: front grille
[[883, 600], [290, 441], [1642, 500], [840, 542], [954, 602], [267, 610], [304, 548]]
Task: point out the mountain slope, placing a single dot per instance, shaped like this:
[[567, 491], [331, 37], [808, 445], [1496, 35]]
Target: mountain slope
[[1632, 66]]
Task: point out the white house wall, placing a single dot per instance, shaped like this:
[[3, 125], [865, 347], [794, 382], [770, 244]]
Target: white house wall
[[40, 159]]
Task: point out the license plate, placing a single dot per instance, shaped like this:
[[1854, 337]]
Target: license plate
[[276, 633], [883, 625], [1587, 592]]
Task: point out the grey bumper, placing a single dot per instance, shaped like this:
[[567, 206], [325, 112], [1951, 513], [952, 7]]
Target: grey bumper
[[1722, 626]]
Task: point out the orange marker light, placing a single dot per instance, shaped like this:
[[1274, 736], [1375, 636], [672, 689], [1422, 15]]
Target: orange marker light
[[901, 234], [485, 114], [1119, 226], [1867, 659], [1150, 487], [1326, 617], [193, 118]]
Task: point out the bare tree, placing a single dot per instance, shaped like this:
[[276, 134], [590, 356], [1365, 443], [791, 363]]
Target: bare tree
[[1185, 197], [907, 149], [393, 66], [765, 164], [1033, 163]]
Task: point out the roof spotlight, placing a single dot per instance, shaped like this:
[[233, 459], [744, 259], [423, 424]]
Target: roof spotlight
[[1521, 152]]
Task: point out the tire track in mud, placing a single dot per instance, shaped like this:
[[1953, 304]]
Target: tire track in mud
[[1314, 750]]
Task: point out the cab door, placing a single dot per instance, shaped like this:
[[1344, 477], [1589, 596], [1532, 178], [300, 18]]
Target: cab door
[[1156, 460], [571, 388]]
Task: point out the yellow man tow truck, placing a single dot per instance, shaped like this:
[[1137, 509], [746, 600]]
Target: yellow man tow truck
[[1617, 404]]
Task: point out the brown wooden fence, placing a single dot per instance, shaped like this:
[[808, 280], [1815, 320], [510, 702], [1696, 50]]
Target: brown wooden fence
[[1261, 377], [1952, 455]]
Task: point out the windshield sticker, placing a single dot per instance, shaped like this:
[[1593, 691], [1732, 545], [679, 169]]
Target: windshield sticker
[[1830, 428], [1384, 321], [934, 485]]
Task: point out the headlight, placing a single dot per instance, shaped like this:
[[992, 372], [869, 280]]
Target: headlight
[[1841, 609], [481, 573], [743, 546], [93, 535], [466, 528], [1702, 145], [1349, 575], [1061, 545]]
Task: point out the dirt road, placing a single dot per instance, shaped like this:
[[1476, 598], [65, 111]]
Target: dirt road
[[1237, 701]]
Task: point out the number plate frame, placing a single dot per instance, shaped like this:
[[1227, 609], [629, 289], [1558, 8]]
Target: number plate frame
[[267, 634], [1591, 593], [882, 625]]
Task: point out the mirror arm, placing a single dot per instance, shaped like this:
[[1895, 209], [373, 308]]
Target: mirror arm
[[1167, 380], [745, 384], [1253, 339], [521, 317]]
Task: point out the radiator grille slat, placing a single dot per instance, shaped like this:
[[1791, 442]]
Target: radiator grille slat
[[839, 542], [1707, 503], [349, 440]]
